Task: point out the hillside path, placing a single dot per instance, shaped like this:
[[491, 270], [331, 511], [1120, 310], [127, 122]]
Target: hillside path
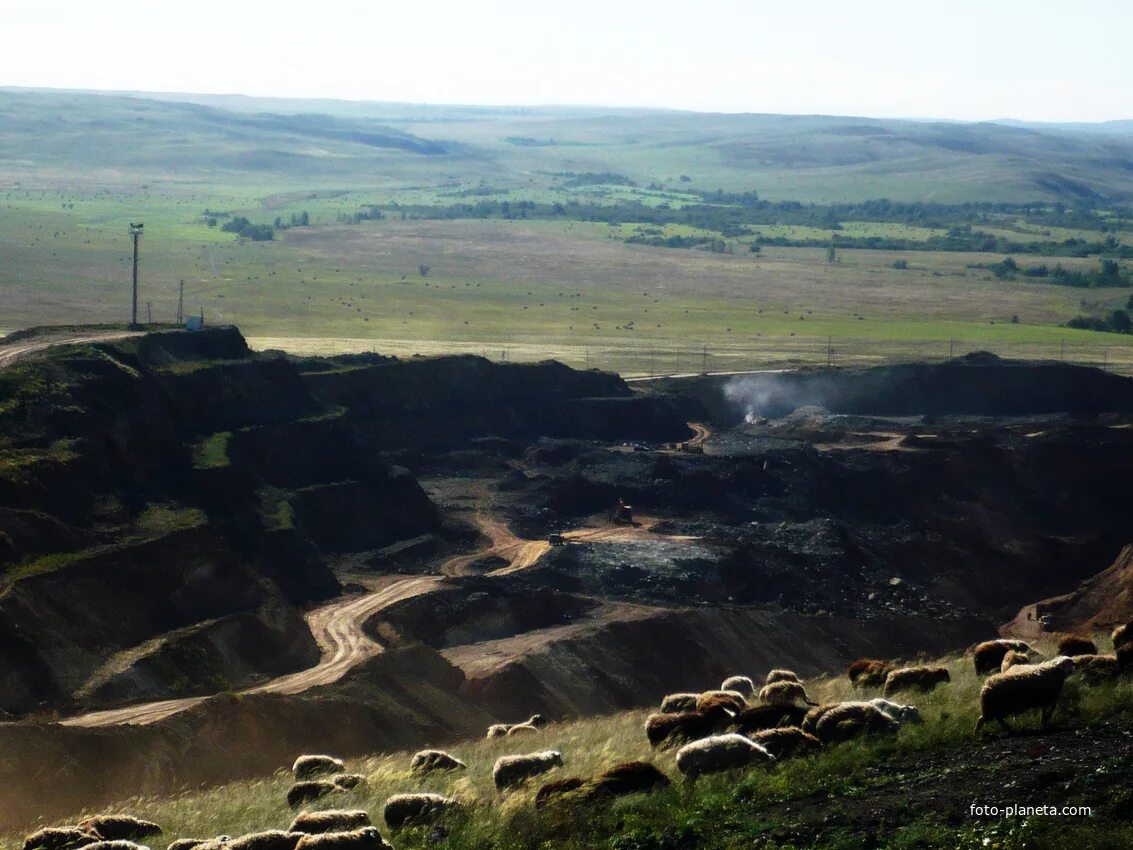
[[12, 352]]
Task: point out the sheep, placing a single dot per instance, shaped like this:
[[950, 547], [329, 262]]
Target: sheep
[[348, 781], [742, 685], [731, 700], [868, 672], [429, 760], [1072, 645], [119, 827], [312, 766], [1122, 634], [1124, 656], [116, 844], [416, 809], [848, 720], [921, 678], [1095, 668], [781, 676], [720, 752], [811, 718], [684, 726], [332, 820], [1013, 658], [988, 655], [630, 777], [901, 713], [784, 693], [499, 730], [523, 729], [1022, 689], [760, 717], [679, 702], [272, 839], [192, 843], [786, 742], [556, 788], [59, 838], [514, 770], [366, 838], [313, 789]]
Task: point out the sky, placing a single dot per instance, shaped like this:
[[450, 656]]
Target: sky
[[1036, 60]]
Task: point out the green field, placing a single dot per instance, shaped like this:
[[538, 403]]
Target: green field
[[75, 169]]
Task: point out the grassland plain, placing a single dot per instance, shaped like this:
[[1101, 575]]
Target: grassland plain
[[910, 791]]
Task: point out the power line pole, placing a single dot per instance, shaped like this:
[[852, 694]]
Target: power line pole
[[704, 362], [149, 312], [135, 234], [181, 304], [829, 351]]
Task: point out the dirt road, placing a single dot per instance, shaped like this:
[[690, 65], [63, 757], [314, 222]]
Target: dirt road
[[13, 351]]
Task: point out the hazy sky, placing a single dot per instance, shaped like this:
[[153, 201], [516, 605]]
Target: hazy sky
[[1036, 60]]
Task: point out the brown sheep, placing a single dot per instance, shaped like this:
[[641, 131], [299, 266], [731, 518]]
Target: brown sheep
[[730, 700], [59, 838], [868, 672], [333, 820], [849, 720], [740, 684], [1021, 689], [787, 741], [311, 790], [784, 693], [548, 793], [429, 760], [272, 839], [664, 730], [760, 717], [779, 675], [1122, 634], [679, 702], [988, 655], [348, 781], [1124, 656], [119, 827], [416, 809], [1072, 645], [1013, 658], [1095, 668], [631, 777], [366, 838], [922, 679]]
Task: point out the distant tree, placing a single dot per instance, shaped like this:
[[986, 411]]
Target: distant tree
[[423, 269], [1120, 322]]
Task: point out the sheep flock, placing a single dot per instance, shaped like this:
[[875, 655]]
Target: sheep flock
[[746, 724]]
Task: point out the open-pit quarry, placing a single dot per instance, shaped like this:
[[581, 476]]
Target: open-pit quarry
[[214, 559]]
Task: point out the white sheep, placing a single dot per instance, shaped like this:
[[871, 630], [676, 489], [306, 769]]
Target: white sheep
[[513, 770], [901, 713], [720, 752], [1023, 688]]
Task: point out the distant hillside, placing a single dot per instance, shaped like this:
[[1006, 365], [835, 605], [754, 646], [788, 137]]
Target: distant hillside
[[808, 158]]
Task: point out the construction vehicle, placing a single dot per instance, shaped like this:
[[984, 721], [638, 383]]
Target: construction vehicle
[[622, 513]]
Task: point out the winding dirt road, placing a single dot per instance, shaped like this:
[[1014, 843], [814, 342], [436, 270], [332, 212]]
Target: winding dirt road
[[337, 626], [14, 351]]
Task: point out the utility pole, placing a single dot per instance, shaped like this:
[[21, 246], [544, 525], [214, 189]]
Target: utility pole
[[135, 234], [149, 312], [829, 351], [181, 304], [704, 361]]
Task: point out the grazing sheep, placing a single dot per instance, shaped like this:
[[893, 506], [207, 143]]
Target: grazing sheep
[[313, 789], [1095, 668], [1072, 645], [59, 838], [120, 827], [498, 730], [784, 693], [922, 679], [742, 685], [430, 760], [523, 729], [1122, 634], [848, 720], [782, 676], [191, 843], [514, 770], [1013, 658], [868, 672], [416, 809], [631, 777], [988, 655], [1021, 689], [901, 713], [720, 752], [760, 717], [731, 700], [366, 838], [272, 839], [116, 844], [556, 788], [348, 781], [787, 741], [309, 767], [811, 718], [333, 820], [679, 702], [681, 727]]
